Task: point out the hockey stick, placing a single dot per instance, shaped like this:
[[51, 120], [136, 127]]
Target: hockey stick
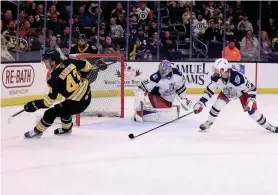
[[14, 115], [131, 136]]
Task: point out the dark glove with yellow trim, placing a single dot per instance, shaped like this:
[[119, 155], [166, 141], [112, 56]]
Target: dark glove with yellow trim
[[31, 106], [101, 65]]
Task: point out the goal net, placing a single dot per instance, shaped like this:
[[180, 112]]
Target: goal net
[[107, 86]]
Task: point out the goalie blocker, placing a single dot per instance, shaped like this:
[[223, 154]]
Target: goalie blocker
[[162, 89]]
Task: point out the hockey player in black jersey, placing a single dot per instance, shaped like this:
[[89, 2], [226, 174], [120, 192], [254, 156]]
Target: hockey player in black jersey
[[65, 79], [83, 47], [233, 85]]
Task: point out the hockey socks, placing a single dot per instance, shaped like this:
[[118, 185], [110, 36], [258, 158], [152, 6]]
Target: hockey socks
[[261, 120]]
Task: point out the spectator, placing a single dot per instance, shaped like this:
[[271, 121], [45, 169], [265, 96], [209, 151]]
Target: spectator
[[65, 38], [207, 15], [230, 34], [217, 12], [275, 43], [199, 25], [137, 52], [213, 41], [210, 7], [265, 48], [22, 16], [52, 10], [118, 12], [217, 21], [239, 12], [186, 15], [134, 13], [241, 33], [222, 6], [230, 15], [52, 44], [55, 25], [26, 31], [10, 29], [102, 33], [155, 43], [116, 31], [5, 54], [8, 16], [28, 7], [271, 28], [75, 28], [33, 23], [230, 52], [150, 19], [109, 47], [85, 22], [143, 11], [249, 52], [152, 29], [39, 13], [249, 36], [248, 26], [169, 47]]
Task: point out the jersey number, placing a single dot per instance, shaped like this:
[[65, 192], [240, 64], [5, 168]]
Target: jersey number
[[73, 81]]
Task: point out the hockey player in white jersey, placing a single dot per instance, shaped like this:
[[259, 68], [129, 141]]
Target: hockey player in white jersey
[[161, 89], [233, 85]]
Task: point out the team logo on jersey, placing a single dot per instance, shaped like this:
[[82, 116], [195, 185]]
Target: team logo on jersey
[[200, 26], [229, 92], [142, 15], [171, 90], [130, 72]]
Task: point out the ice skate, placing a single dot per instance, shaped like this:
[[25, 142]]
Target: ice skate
[[206, 125], [33, 133], [61, 131], [272, 128]]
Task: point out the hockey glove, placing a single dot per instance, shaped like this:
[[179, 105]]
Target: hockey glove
[[198, 107], [249, 106], [101, 65], [31, 106]]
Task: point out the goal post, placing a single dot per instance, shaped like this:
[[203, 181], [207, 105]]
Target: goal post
[[107, 86]]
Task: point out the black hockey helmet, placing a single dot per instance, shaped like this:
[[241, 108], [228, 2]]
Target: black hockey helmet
[[52, 55]]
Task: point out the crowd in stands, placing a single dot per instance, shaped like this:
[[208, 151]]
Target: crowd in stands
[[237, 38]]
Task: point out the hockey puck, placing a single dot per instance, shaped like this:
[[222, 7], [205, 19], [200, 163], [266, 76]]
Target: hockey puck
[[99, 115], [131, 136]]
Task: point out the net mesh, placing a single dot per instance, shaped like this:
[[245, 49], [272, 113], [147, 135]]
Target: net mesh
[[106, 86]]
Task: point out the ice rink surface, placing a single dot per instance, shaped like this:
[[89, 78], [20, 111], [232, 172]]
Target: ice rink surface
[[234, 157]]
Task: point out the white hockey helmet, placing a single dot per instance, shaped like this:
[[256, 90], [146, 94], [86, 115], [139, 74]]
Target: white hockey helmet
[[220, 65]]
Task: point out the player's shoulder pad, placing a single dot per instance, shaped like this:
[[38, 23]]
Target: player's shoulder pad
[[155, 77], [214, 78], [236, 78], [177, 72]]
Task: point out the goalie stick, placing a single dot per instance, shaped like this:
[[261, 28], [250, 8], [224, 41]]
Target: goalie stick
[[131, 136]]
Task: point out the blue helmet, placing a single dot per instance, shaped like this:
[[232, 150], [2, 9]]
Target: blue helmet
[[165, 69]]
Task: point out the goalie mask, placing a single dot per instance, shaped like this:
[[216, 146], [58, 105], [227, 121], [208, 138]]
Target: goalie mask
[[220, 66], [165, 69]]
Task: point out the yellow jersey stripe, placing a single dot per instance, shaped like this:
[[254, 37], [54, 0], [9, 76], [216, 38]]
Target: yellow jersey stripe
[[48, 101], [79, 93], [88, 66]]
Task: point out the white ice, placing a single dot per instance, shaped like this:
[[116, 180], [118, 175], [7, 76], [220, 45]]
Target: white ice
[[235, 157]]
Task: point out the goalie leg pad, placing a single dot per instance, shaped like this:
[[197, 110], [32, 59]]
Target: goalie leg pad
[[161, 115], [159, 102]]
